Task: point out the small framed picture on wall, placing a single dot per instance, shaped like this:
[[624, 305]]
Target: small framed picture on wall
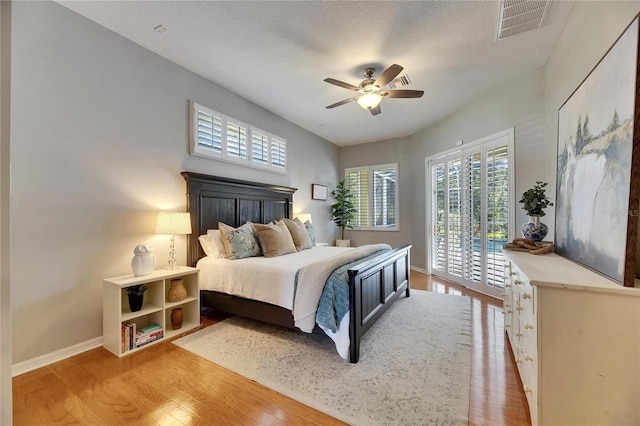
[[318, 192]]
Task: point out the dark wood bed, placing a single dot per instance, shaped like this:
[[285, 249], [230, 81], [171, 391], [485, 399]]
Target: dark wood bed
[[373, 284]]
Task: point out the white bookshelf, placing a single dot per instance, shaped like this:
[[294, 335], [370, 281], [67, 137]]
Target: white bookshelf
[[155, 309]]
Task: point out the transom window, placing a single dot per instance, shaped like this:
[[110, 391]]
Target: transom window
[[218, 136], [376, 190]]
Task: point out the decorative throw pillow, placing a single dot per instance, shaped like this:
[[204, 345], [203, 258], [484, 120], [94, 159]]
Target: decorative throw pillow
[[212, 244], [312, 232], [299, 234], [209, 250], [239, 242], [215, 236], [274, 239]]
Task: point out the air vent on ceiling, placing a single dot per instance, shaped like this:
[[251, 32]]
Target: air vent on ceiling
[[519, 16], [403, 80]]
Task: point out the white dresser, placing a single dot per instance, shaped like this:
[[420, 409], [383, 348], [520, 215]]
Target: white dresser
[[575, 336]]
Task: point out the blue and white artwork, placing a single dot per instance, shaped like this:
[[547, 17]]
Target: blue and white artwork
[[595, 143]]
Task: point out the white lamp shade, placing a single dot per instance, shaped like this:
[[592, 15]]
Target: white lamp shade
[[173, 223], [303, 217]]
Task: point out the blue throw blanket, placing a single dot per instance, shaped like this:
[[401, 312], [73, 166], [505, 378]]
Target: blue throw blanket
[[334, 302]]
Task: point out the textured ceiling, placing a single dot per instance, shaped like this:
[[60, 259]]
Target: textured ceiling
[[276, 54]]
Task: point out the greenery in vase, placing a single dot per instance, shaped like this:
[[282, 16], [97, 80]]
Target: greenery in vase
[[138, 289], [344, 209], [534, 200]]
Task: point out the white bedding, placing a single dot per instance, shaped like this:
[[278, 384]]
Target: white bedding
[[270, 280]]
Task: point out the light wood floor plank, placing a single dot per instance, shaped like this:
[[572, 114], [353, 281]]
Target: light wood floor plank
[[166, 385]]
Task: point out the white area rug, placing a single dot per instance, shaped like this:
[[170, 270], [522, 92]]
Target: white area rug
[[414, 366]]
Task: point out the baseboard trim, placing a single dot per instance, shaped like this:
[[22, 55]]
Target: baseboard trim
[[415, 268], [59, 355], [53, 357]]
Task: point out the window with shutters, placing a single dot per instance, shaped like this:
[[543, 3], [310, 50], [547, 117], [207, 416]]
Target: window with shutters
[[216, 135], [376, 190], [470, 193]]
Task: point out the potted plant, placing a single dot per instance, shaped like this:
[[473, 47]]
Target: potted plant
[[135, 294], [343, 211], [534, 201]]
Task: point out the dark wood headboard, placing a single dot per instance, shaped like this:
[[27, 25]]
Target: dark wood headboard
[[213, 199]]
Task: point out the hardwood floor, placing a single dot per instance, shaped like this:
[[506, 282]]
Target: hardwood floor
[[166, 385], [496, 396]]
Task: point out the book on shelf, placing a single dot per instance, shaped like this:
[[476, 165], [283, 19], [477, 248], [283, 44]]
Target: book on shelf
[[146, 338], [148, 334], [128, 335], [150, 327]]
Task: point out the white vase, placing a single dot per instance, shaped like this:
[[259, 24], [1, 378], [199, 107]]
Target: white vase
[[144, 261], [343, 243]]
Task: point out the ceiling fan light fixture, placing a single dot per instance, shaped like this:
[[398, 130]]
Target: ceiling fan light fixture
[[369, 100]]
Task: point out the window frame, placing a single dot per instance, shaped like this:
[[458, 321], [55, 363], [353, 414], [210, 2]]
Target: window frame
[[371, 200], [273, 142]]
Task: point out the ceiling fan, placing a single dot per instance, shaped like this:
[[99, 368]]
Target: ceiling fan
[[371, 91]]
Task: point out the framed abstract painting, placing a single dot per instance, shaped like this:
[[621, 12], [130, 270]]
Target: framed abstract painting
[[597, 176]]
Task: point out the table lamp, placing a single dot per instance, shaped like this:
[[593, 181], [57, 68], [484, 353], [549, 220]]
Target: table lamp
[[303, 217], [173, 223]]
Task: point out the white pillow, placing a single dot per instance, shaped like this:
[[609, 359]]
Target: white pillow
[[212, 244]]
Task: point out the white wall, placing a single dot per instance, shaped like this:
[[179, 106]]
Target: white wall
[[5, 288], [530, 104], [99, 138], [518, 104], [592, 28]]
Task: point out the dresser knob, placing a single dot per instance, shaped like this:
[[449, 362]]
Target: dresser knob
[[526, 296], [517, 282], [503, 294], [519, 308], [518, 360], [509, 311], [528, 389], [518, 334], [528, 358], [513, 273], [507, 285], [528, 326], [507, 325], [507, 305]]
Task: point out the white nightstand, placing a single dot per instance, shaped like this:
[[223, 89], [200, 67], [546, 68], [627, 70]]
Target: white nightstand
[[156, 307]]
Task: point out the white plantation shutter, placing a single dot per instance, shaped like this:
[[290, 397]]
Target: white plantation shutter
[[454, 224], [469, 211], [358, 182], [438, 236], [472, 221], [236, 140], [259, 148], [278, 153], [215, 135], [208, 130], [384, 197], [497, 202], [376, 189]]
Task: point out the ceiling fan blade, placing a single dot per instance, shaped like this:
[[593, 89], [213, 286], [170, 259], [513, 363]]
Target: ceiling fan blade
[[341, 84], [346, 101], [376, 110], [403, 93], [388, 75]]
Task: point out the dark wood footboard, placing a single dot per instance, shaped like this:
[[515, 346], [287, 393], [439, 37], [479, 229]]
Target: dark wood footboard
[[374, 285]]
